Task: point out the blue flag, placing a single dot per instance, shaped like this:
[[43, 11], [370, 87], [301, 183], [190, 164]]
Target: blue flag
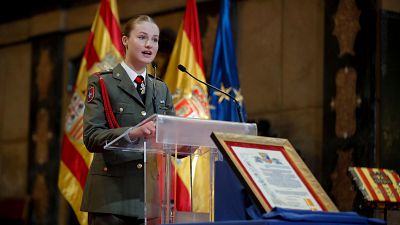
[[224, 74]]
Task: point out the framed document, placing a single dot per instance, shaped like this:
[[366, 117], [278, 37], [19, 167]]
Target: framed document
[[273, 172]]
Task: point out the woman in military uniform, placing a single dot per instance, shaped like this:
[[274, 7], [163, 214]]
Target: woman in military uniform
[[114, 192]]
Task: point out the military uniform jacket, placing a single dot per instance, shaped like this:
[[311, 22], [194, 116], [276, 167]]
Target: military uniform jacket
[[115, 180]]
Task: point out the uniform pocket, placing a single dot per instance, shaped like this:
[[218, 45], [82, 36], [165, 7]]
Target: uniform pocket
[[123, 108], [127, 115], [99, 167]]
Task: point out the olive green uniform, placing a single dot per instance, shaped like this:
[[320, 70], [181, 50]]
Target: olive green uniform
[[115, 180]]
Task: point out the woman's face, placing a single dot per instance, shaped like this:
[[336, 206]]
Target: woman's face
[[142, 44]]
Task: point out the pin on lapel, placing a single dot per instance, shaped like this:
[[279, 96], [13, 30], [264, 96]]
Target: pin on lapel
[[142, 89]]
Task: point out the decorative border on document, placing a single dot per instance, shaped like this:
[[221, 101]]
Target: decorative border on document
[[273, 172]]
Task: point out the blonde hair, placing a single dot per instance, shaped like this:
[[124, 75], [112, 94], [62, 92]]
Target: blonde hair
[[130, 25]]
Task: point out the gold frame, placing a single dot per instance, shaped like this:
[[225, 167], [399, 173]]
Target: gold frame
[[222, 139]]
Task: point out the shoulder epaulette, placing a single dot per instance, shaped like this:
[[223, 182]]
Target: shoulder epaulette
[[105, 72], [155, 77], [101, 73]]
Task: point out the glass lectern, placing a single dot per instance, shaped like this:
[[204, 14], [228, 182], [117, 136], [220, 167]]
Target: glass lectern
[[176, 138]]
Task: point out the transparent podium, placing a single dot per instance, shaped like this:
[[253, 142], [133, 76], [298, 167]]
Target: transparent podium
[[179, 145]]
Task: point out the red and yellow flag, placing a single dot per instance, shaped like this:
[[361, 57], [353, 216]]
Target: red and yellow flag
[[103, 51], [190, 97], [190, 100], [377, 185]]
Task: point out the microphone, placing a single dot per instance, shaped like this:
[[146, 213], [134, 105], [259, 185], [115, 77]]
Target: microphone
[[238, 107], [154, 65]]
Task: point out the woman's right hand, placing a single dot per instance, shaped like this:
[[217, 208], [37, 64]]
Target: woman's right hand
[[146, 130]]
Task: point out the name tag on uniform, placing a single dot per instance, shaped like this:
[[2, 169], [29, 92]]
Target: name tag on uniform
[[162, 105]]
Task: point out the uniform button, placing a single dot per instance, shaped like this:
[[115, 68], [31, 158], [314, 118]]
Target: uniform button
[[105, 169], [121, 109], [117, 74], [139, 166], [143, 113]]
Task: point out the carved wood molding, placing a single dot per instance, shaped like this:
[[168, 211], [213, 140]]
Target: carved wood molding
[[345, 102], [347, 26], [343, 190], [42, 136]]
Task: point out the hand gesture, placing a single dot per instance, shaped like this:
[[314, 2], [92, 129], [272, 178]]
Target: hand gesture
[[146, 130]]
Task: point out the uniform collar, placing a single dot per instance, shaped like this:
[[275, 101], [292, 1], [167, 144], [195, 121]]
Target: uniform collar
[[131, 73], [125, 83]]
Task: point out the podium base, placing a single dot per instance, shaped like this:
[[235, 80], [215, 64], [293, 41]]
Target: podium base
[[185, 217]]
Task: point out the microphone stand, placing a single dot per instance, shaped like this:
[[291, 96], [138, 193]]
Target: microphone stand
[[154, 87], [238, 107]]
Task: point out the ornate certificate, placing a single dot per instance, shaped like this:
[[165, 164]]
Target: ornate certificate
[[274, 173]]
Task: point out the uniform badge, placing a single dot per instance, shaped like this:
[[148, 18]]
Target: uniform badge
[[142, 88], [90, 94]]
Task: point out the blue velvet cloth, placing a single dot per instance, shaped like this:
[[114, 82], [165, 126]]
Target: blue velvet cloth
[[233, 205], [230, 197], [288, 216]]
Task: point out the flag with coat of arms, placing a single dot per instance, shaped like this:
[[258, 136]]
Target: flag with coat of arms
[[192, 182], [103, 51]]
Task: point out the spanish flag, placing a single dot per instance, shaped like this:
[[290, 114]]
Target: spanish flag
[[190, 100], [103, 51], [190, 97]]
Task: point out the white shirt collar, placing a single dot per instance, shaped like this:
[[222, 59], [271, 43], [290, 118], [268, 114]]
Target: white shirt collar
[[132, 74]]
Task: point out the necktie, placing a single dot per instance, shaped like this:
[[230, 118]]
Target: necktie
[[140, 87]]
